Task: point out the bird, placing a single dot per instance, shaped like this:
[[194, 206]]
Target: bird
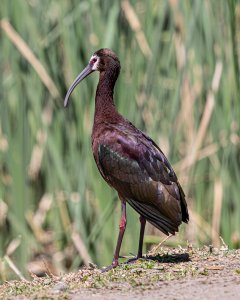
[[129, 160]]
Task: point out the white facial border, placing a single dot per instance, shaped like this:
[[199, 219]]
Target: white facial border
[[95, 65]]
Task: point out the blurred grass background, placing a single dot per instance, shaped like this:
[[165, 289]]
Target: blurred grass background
[[180, 82]]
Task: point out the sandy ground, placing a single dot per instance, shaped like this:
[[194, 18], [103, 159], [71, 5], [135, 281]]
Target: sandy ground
[[197, 289], [217, 277], [171, 274]]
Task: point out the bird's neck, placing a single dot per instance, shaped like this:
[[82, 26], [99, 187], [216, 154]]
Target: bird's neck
[[104, 105]]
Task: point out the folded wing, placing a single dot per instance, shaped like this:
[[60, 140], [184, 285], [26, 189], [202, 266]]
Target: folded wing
[[135, 166]]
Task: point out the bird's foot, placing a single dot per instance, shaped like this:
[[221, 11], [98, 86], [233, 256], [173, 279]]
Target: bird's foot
[[106, 269], [133, 259], [112, 266]]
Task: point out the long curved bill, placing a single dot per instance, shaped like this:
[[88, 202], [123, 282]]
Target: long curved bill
[[88, 70]]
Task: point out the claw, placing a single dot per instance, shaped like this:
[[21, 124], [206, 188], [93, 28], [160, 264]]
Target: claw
[[112, 266], [132, 260]]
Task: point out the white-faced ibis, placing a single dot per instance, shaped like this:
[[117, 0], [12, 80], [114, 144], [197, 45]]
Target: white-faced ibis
[[130, 161]]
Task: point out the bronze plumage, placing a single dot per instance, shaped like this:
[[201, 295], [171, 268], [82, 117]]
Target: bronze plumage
[[129, 160]]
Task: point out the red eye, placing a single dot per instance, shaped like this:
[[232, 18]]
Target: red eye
[[92, 62]]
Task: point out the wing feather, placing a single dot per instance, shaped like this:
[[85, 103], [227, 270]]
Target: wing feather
[[153, 216]]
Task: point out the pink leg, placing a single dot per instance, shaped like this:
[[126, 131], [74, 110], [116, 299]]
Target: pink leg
[[122, 227]]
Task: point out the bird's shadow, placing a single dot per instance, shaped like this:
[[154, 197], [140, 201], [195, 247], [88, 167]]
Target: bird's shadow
[[160, 258], [169, 258]]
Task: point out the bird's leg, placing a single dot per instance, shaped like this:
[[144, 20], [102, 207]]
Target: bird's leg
[[122, 227], [140, 245], [142, 229]]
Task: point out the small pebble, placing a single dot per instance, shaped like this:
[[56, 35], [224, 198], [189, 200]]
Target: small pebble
[[59, 287], [92, 266]]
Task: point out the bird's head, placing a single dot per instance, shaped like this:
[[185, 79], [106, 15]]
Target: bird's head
[[101, 61]]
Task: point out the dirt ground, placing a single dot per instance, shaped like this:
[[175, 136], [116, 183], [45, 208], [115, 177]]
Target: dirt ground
[[171, 274]]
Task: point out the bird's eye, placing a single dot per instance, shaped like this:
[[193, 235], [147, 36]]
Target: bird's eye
[[92, 62]]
